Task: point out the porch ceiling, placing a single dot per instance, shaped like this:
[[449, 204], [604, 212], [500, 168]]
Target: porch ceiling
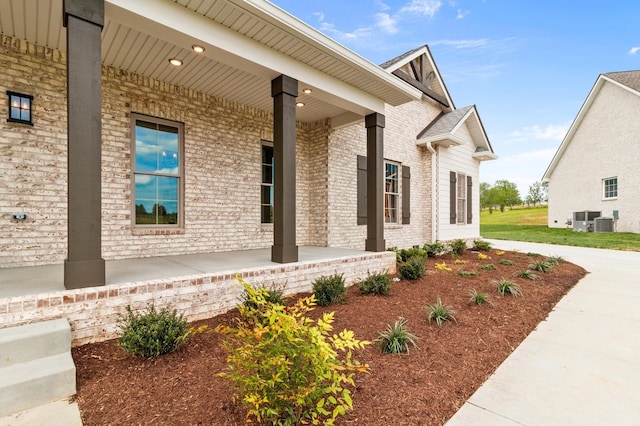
[[248, 43]]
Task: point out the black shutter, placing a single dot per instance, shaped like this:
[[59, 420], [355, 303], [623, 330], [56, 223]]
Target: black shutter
[[469, 198], [452, 198], [406, 195], [362, 190]]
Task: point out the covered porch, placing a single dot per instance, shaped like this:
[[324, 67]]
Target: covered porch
[[197, 285]]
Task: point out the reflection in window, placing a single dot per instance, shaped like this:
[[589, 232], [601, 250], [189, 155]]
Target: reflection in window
[[266, 195], [391, 193], [157, 172], [461, 198], [20, 108]]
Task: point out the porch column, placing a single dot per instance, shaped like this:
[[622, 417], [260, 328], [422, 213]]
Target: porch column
[[84, 266], [375, 182], [284, 91]]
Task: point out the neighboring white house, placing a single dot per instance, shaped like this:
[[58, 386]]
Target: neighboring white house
[[596, 166]]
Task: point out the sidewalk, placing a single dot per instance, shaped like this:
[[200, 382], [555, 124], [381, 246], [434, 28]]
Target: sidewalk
[[581, 366]]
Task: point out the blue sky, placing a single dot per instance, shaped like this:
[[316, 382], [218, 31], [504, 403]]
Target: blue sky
[[527, 65]]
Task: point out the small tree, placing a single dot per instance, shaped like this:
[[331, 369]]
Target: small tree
[[506, 194], [536, 194]]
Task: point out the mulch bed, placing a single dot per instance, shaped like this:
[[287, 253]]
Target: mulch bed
[[424, 387]]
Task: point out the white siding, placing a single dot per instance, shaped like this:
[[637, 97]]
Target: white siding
[[606, 144]]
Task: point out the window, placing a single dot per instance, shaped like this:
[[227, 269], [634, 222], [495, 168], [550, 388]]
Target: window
[[391, 193], [266, 194], [157, 171], [461, 198], [610, 187], [20, 108]]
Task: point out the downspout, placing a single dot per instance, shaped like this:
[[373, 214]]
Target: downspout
[[435, 204]]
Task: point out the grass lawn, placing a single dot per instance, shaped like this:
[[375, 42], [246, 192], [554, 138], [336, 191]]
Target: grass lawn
[[530, 224]]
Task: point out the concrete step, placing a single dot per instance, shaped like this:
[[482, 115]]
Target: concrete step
[[36, 366], [57, 413], [32, 341]]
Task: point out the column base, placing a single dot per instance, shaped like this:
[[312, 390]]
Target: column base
[[284, 254], [374, 245], [84, 273]]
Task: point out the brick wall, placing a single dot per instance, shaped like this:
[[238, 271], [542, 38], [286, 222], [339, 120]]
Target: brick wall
[[93, 312]]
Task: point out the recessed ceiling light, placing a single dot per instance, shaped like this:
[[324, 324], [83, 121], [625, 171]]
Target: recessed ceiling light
[[307, 91], [299, 104], [175, 61], [197, 48]]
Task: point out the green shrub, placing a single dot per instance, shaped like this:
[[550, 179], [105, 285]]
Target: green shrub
[[505, 262], [554, 260], [273, 294], [434, 249], [488, 267], [151, 332], [293, 370], [457, 246], [527, 274], [397, 252], [329, 289], [481, 245], [478, 298], [532, 254], [541, 266], [406, 254], [504, 286], [396, 338], [376, 284], [412, 269], [464, 273], [440, 313]]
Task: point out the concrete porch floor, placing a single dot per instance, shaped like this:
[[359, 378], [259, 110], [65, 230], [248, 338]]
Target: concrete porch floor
[[49, 278]]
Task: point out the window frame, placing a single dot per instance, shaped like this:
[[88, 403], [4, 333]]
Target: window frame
[[390, 195], [135, 117], [461, 182], [10, 119], [610, 188], [263, 184]]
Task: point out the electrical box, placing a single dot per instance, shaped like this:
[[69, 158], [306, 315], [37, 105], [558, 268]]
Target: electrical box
[[615, 214]]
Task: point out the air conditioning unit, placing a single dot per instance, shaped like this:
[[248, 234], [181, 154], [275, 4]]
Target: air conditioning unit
[[583, 221], [603, 224]]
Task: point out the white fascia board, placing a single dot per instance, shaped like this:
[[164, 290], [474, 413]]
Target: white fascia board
[[284, 20], [574, 126], [446, 140], [175, 24]]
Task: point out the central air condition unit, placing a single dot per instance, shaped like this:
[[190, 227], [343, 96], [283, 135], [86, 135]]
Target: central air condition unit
[[584, 221], [603, 224]]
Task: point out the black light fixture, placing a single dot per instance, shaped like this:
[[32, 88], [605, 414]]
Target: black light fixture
[[20, 108]]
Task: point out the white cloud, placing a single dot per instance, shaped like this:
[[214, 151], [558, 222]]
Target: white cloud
[[319, 15], [540, 155], [345, 36], [462, 44], [381, 5], [553, 132], [634, 50], [422, 7], [386, 23], [462, 13]]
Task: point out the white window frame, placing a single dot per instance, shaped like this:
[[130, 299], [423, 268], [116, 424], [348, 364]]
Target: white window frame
[[135, 117], [461, 198], [392, 198], [609, 187]]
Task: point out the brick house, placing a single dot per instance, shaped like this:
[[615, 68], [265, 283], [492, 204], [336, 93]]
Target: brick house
[[151, 128], [595, 167]]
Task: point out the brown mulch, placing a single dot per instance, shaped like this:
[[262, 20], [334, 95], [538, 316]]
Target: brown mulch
[[424, 387]]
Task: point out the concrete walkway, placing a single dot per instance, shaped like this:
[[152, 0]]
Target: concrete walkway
[[581, 366]]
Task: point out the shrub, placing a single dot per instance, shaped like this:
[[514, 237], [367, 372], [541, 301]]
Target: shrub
[[481, 245], [329, 289], [152, 332], [504, 286], [434, 249], [376, 284], [478, 298], [532, 254], [488, 267], [499, 252], [540, 266], [527, 274], [483, 256], [457, 246], [406, 254], [464, 273], [555, 260], [288, 371], [396, 338], [442, 267], [412, 269], [459, 262], [505, 262], [397, 252], [440, 313], [273, 294]]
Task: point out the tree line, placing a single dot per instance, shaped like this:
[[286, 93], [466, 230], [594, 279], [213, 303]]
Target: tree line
[[505, 194]]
